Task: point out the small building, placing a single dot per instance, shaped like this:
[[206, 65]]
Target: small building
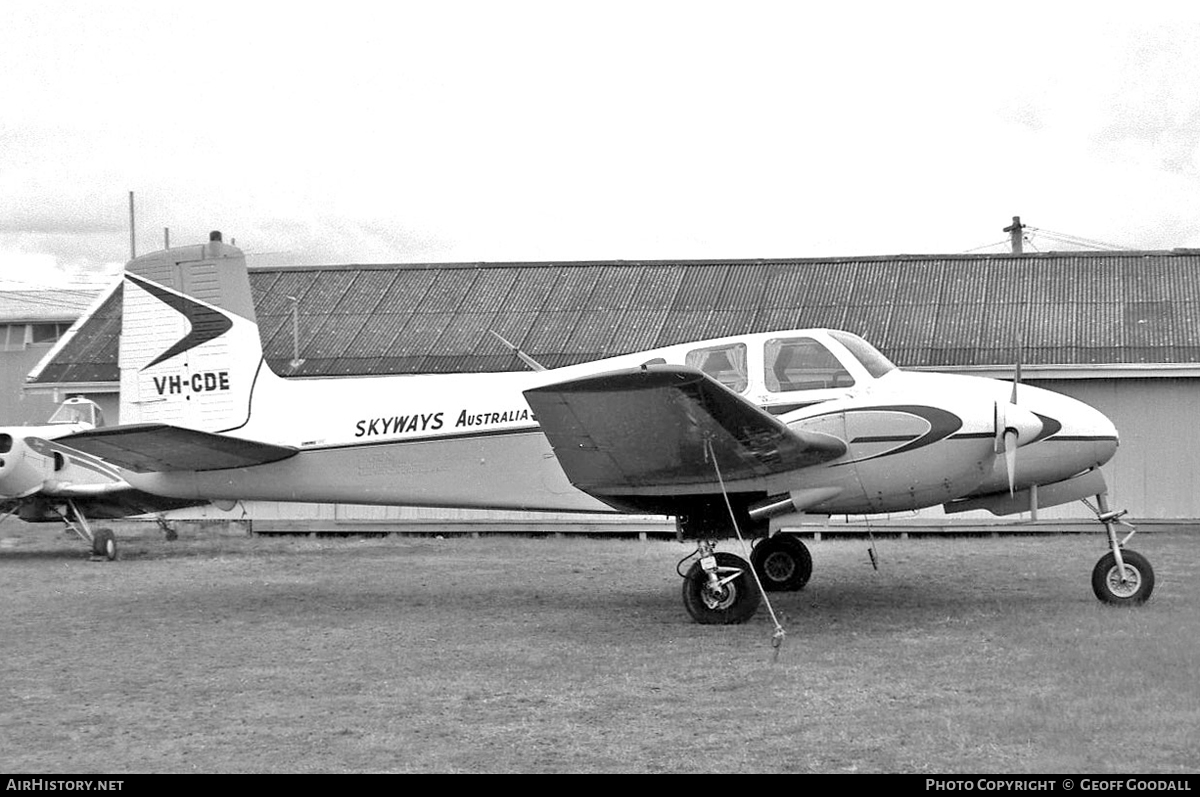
[[31, 323]]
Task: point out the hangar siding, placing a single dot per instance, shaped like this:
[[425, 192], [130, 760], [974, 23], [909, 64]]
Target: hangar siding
[[1156, 472], [1084, 311]]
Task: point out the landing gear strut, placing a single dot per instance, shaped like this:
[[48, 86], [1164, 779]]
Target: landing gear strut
[[1121, 577], [103, 543], [782, 562], [719, 588]]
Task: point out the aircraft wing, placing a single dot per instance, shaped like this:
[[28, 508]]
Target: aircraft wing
[[153, 447], [659, 427]]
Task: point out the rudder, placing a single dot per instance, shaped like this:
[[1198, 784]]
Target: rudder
[[190, 349]]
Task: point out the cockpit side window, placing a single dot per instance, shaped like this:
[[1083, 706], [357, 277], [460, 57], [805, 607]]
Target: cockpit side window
[[792, 364], [726, 364]]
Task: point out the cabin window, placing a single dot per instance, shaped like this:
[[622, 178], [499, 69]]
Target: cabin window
[[792, 364], [726, 364]]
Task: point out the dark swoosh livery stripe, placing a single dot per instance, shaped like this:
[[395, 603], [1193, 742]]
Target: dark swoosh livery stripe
[[48, 448], [1050, 427], [207, 323], [942, 424]]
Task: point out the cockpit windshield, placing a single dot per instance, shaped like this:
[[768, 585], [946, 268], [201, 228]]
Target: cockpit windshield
[[73, 411], [876, 364]]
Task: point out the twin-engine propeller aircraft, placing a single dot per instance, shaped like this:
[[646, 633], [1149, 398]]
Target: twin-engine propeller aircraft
[[734, 436], [43, 481]]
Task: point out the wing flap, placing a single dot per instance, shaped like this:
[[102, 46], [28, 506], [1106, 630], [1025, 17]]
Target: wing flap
[[154, 447], [660, 427]]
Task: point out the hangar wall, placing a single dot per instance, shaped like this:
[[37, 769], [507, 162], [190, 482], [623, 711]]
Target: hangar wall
[[1157, 467], [17, 406]]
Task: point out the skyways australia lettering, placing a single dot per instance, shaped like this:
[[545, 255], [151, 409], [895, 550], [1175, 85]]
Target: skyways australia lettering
[[484, 418], [399, 424], [434, 421], [201, 382]]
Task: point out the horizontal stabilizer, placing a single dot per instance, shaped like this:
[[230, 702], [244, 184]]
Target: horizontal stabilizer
[[660, 426], [155, 447]]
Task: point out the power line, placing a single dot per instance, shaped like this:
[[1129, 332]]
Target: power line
[[985, 246], [1076, 240]]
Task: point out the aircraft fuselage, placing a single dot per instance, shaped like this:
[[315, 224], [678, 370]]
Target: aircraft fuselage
[[470, 440]]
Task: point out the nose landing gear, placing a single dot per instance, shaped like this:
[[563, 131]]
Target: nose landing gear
[[1121, 577]]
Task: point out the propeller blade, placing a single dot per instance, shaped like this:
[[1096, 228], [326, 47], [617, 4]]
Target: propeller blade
[[998, 421], [1010, 457]]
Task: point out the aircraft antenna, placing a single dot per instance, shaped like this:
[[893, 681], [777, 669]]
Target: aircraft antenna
[[525, 358], [296, 361], [777, 637]]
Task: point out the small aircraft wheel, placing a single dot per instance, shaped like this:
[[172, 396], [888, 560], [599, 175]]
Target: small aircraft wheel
[[782, 562], [733, 602], [1107, 583], [104, 544]]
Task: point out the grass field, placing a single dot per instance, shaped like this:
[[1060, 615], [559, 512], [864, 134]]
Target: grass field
[[231, 654]]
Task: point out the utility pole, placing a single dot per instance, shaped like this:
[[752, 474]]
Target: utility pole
[[132, 237], [1014, 231]]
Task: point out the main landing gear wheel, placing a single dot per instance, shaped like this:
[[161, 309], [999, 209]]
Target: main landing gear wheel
[[782, 562], [104, 544], [724, 596], [1134, 589]]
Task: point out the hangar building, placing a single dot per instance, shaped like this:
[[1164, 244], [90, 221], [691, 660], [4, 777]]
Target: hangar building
[[31, 322], [1119, 330]]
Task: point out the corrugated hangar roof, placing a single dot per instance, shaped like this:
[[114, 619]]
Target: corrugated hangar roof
[[1064, 309], [44, 305]]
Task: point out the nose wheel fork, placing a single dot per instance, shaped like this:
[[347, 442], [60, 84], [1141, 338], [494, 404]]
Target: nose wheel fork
[[1121, 577]]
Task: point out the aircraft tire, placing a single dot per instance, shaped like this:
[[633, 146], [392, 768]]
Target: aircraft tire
[[104, 544], [782, 562], [1106, 581], [736, 604]]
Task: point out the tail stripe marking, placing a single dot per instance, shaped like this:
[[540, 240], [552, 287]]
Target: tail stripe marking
[[207, 322]]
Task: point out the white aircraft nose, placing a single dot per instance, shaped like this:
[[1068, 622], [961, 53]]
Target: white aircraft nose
[[1105, 433], [1086, 432]]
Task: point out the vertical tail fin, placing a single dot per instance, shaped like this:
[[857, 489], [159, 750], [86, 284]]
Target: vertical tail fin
[[190, 349]]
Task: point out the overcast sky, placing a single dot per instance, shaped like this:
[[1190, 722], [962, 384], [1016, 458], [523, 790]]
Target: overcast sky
[[393, 132]]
